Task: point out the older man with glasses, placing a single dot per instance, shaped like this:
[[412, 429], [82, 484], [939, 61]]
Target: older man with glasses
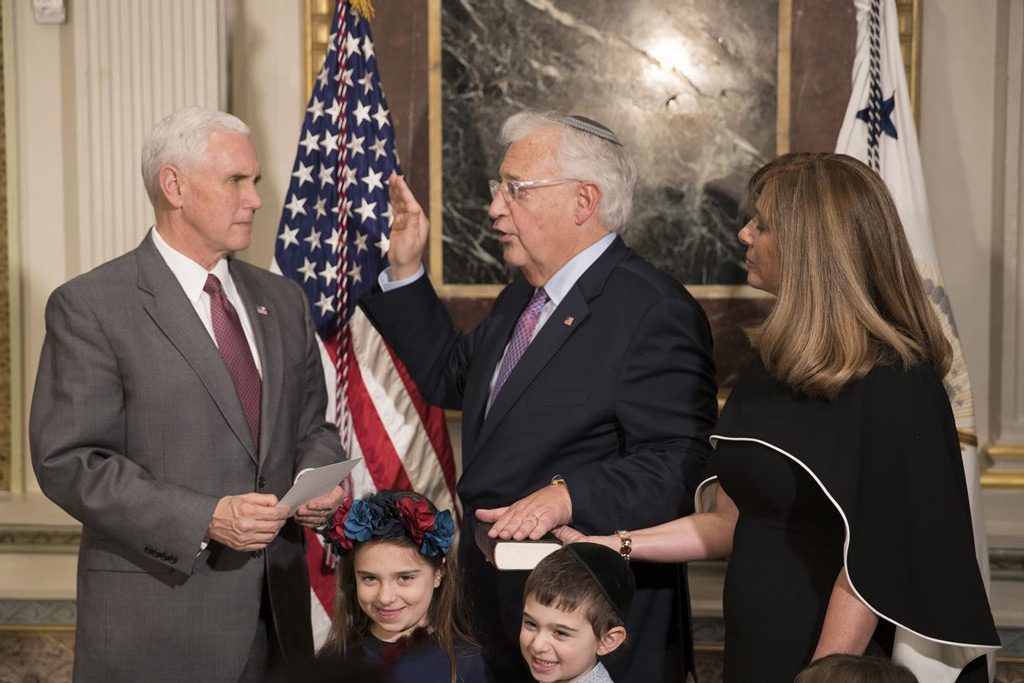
[[588, 393]]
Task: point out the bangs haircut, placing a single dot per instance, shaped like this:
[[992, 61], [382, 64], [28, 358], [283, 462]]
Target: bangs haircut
[[585, 157], [850, 295], [447, 615], [560, 581]]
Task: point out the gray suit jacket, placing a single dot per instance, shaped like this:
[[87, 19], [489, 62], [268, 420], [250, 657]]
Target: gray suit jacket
[[136, 430]]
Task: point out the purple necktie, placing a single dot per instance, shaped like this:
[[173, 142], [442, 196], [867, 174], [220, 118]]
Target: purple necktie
[[237, 355], [521, 337]]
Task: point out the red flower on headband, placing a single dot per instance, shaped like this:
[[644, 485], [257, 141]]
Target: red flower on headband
[[335, 531], [416, 517]]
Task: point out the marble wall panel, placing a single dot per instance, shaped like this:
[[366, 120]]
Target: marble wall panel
[[690, 85]]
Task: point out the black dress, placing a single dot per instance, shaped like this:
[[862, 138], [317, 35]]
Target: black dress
[[872, 481], [787, 552]]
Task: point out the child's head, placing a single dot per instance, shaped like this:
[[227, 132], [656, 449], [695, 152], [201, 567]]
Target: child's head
[[853, 669], [394, 575], [575, 606]]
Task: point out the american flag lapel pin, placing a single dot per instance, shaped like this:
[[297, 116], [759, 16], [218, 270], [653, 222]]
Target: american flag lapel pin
[[569, 320], [262, 310]]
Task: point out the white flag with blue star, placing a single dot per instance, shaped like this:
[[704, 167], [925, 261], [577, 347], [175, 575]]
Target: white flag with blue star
[[879, 130]]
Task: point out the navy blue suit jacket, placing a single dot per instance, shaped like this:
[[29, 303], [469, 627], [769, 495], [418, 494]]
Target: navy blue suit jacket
[[616, 393]]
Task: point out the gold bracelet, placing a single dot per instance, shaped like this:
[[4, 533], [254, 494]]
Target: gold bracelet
[[559, 480], [625, 544]]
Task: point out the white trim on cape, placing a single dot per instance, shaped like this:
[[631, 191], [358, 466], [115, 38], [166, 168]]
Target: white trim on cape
[[930, 659]]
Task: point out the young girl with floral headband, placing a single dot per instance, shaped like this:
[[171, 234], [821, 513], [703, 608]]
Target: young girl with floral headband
[[399, 602]]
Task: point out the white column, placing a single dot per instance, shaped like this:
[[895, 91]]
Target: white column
[[135, 62], [1007, 451]]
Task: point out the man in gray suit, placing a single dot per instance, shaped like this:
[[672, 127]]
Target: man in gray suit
[[179, 394]]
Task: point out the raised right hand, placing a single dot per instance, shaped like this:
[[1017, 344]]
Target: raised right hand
[[247, 522], [409, 231]]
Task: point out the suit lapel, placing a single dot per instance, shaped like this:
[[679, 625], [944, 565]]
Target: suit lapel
[[269, 344], [173, 313], [563, 323]]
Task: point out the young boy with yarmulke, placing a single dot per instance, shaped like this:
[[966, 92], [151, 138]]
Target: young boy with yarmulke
[[575, 606]]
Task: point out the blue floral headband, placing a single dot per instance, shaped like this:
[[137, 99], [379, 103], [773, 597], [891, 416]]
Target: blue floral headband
[[388, 515]]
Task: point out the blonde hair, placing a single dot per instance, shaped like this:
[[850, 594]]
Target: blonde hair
[[849, 294]]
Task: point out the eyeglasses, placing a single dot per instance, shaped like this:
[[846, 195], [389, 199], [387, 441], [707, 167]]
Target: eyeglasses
[[510, 189]]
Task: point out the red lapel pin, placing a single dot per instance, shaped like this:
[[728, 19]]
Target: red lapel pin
[[569, 321]]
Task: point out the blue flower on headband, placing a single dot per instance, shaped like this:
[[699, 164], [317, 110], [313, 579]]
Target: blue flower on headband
[[389, 515], [438, 538], [367, 519]]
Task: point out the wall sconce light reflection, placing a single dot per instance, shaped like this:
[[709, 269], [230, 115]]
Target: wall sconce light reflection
[[670, 61]]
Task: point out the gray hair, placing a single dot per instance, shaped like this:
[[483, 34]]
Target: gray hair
[[181, 139], [584, 156]]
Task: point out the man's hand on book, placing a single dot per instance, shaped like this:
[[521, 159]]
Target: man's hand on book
[[531, 517]]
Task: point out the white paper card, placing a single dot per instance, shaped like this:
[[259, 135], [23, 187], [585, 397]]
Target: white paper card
[[316, 482]]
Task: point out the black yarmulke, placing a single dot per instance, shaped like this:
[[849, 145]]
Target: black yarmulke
[[592, 127], [611, 573]]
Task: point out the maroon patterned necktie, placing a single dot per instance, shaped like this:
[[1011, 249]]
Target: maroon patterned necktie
[[237, 355], [521, 338]]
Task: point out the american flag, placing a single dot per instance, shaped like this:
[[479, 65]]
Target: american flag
[[333, 241]]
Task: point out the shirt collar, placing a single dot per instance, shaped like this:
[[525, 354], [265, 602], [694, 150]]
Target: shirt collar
[[190, 275], [562, 281], [596, 675]]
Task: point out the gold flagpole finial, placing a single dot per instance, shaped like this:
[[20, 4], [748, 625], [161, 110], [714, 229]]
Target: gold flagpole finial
[[363, 7]]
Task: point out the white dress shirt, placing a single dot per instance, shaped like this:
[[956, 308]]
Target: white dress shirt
[[192, 278]]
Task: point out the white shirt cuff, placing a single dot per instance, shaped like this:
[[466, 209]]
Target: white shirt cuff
[[387, 283]]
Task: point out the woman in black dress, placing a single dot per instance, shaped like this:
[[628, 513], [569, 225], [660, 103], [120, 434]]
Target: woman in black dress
[[837, 488]]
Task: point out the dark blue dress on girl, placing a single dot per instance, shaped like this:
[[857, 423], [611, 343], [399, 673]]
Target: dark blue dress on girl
[[418, 658]]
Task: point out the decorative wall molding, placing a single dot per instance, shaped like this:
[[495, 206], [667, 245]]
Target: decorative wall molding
[[1011, 395], [1000, 451], [317, 16], [36, 615], [41, 538], [997, 479], [1006, 564], [135, 61], [6, 424], [908, 13], [1007, 451]]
